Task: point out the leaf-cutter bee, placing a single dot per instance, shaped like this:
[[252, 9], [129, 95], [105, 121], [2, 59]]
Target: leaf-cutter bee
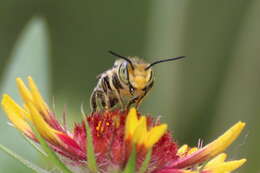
[[126, 83]]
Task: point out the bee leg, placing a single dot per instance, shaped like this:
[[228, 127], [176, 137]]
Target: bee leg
[[132, 101], [113, 102], [140, 99], [104, 96], [104, 99], [107, 104], [98, 95]]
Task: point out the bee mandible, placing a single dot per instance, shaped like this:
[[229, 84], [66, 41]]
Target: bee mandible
[[125, 84]]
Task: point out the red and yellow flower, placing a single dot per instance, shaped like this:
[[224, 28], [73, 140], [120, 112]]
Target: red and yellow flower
[[114, 134]]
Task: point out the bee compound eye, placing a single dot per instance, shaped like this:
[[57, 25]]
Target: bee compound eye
[[123, 73]]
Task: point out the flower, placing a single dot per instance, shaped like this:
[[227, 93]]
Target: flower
[[116, 134]]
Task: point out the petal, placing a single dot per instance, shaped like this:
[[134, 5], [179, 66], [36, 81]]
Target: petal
[[140, 133], [136, 130], [15, 108], [32, 96], [24, 91], [131, 123], [225, 140], [212, 149], [217, 160], [16, 115], [45, 130], [38, 100], [155, 134], [225, 167]]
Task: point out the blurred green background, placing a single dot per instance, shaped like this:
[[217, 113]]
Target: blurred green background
[[63, 45]]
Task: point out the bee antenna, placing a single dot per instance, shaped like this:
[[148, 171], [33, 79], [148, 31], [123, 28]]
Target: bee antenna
[[164, 60], [123, 57]]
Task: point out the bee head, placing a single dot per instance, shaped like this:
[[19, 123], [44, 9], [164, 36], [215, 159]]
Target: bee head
[[136, 73], [133, 72], [139, 77]]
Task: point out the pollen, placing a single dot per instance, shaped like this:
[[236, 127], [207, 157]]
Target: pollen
[[102, 128], [98, 126]]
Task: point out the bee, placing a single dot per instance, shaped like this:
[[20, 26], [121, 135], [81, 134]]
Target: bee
[[125, 84]]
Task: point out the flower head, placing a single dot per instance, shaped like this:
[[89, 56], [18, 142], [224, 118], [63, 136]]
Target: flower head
[[115, 134]]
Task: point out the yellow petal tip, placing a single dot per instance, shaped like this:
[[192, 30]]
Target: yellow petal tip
[[30, 79], [5, 96], [155, 134], [243, 160], [6, 100], [241, 124], [221, 143], [19, 81], [233, 165]]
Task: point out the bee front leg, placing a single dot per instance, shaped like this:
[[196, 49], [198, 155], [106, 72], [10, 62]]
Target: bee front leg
[[139, 101], [141, 98], [132, 101]]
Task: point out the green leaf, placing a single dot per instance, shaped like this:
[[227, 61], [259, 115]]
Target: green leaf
[[146, 161], [25, 162], [29, 57], [50, 154], [91, 158], [130, 167]]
